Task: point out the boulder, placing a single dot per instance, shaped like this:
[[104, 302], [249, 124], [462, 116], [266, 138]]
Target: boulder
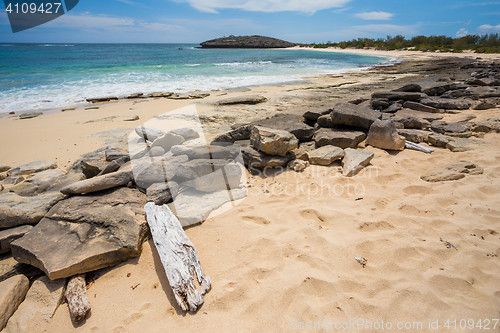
[[325, 155], [255, 159], [338, 137], [16, 210], [32, 167], [410, 87], [354, 115], [354, 161], [405, 113], [29, 115], [488, 125], [271, 141], [249, 99], [167, 141], [414, 135], [148, 133], [206, 151], [12, 294], [241, 133], [7, 236], [453, 171], [99, 183], [446, 103], [297, 154], [86, 233], [148, 171], [396, 95], [162, 193], [383, 134], [420, 107], [40, 302], [193, 207], [325, 121], [298, 165], [461, 129]]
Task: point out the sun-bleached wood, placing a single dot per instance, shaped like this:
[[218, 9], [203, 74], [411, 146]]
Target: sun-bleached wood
[[415, 146], [76, 296], [178, 256]]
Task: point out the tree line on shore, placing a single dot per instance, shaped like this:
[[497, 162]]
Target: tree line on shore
[[489, 43]]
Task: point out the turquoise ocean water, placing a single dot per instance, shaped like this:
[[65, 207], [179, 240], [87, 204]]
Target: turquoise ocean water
[[43, 76]]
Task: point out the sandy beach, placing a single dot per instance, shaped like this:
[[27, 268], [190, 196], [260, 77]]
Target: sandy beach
[[284, 258]]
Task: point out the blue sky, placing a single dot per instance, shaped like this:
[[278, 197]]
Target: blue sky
[[302, 21]]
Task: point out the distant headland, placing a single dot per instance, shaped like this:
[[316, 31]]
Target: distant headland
[[246, 42]]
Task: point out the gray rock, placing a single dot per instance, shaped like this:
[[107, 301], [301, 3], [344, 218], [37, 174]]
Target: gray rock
[[47, 182], [135, 95], [483, 105], [16, 210], [148, 133], [453, 171], [307, 146], [396, 95], [484, 92], [241, 133], [442, 88], [85, 233], [255, 159], [325, 121], [405, 113], [420, 107], [92, 168], [383, 134], [186, 132], [411, 87], [206, 151], [413, 123], [12, 294], [3, 175], [460, 93], [297, 154], [13, 180], [114, 165], [354, 115], [380, 103], [41, 301], [414, 135], [99, 183], [462, 129], [488, 125], [9, 267], [476, 82], [148, 171], [354, 161], [454, 144], [102, 99], [325, 155], [113, 154], [162, 193], [156, 151], [395, 107], [290, 123], [7, 236], [193, 207], [338, 137], [131, 118], [167, 141], [226, 177], [29, 115], [161, 94], [249, 99], [298, 165], [32, 167], [446, 103], [314, 113], [199, 167], [4, 168], [272, 141]]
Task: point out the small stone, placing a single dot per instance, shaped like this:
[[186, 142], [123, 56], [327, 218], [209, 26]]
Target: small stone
[[131, 118], [156, 151], [354, 161], [255, 159], [162, 193], [453, 171], [414, 135], [148, 133], [298, 165], [325, 121], [167, 141], [325, 155], [29, 115], [297, 154]]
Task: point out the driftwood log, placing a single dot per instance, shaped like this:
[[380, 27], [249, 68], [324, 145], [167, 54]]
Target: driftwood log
[[76, 296], [415, 146], [178, 256]]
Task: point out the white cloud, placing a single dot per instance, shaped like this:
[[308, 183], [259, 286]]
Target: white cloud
[[461, 33], [387, 29], [374, 16], [489, 29], [308, 7]]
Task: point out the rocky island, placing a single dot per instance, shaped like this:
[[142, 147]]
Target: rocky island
[[246, 42]]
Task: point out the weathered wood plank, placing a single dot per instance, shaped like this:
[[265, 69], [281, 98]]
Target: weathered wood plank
[[415, 146], [76, 296], [178, 256]]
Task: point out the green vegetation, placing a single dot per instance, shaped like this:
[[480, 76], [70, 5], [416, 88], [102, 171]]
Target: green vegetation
[[480, 44]]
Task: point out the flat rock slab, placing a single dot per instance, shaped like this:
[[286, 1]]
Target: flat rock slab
[[86, 233], [12, 294], [398, 95], [410, 87], [462, 129], [453, 171], [446, 103], [9, 267], [325, 155], [47, 181], [338, 137], [16, 210], [454, 144], [290, 123], [352, 115], [414, 135], [255, 159], [240, 133], [99, 183], [148, 171], [42, 300], [206, 151], [420, 107], [354, 161], [32, 167], [193, 207], [4, 168], [405, 113], [439, 89], [7, 236], [272, 141], [488, 125], [249, 99], [484, 92]]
